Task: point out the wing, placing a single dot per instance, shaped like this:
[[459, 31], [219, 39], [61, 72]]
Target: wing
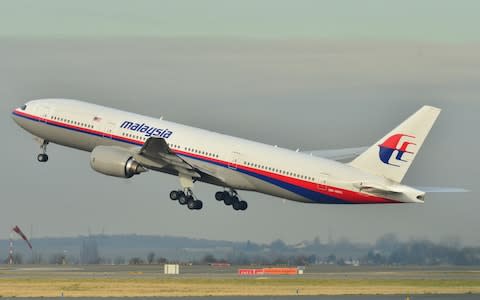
[[339, 154], [157, 155]]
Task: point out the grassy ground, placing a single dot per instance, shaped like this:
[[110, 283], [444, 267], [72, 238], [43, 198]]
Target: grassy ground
[[123, 287]]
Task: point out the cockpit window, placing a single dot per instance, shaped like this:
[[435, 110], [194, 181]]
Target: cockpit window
[[23, 107]]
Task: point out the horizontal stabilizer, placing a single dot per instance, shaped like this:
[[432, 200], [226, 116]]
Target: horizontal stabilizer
[[435, 189], [376, 188]]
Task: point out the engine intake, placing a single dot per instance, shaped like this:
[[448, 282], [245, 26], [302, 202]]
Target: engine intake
[[114, 161]]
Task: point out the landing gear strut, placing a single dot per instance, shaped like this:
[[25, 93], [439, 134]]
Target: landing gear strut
[[43, 157], [231, 198], [186, 198]]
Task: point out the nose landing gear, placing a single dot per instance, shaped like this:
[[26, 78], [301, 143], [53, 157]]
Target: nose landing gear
[[43, 157]]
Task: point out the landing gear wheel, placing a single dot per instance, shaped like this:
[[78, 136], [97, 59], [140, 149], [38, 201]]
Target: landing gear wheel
[[42, 157], [182, 199], [228, 200], [198, 204], [191, 203], [243, 205], [174, 195], [220, 196], [236, 205]]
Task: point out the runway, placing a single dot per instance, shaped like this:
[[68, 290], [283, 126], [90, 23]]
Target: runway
[[193, 271], [200, 281]]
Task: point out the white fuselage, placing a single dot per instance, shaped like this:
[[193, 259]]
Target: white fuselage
[[240, 164]]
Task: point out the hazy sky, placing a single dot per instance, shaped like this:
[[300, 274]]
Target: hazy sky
[[309, 74], [433, 20]]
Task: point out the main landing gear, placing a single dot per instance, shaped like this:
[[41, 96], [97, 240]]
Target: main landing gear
[[43, 157], [186, 198], [231, 198]]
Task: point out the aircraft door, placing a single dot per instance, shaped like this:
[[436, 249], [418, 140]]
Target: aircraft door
[[234, 160], [108, 129], [43, 112], [322, 181]]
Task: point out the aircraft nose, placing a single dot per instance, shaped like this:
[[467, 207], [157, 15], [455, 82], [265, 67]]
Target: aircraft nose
[[15, 113]]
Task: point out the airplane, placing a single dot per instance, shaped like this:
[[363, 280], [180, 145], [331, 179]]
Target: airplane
[[125, 144]]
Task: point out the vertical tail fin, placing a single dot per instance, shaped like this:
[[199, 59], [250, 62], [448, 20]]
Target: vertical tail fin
[[393, 154]]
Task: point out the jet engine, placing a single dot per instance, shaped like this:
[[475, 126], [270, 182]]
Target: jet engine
[[114, 161]]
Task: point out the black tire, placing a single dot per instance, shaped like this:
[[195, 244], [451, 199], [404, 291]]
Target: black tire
[[236, 205], [191, 203], [174, 195], [42, 158], [198, 204], [220, 196], [243, 205], [182, 199], [228, 200]]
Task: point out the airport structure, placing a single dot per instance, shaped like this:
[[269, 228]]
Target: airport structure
[[171, 269], [270, 271]]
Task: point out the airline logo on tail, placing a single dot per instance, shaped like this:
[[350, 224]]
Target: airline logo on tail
[[392, 144]]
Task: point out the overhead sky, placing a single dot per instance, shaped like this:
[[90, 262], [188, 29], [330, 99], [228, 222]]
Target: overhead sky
[[433, 20], [308, 74]]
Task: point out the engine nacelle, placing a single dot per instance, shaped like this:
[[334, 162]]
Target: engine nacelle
[[114, 161]]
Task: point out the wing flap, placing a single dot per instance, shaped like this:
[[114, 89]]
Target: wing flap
[[156, 155]]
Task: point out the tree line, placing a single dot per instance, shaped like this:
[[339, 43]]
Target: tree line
[[387, 250]]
